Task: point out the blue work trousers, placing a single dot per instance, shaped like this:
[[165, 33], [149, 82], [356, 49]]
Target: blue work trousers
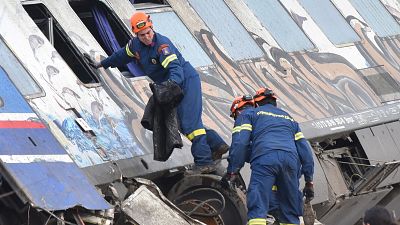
[[191, 124], [280, 168]]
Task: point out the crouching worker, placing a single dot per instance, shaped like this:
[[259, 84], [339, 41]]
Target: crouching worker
[[265, 96], [267, 135]]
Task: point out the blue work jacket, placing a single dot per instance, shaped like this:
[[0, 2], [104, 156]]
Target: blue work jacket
[[268, 128], [160, 61]]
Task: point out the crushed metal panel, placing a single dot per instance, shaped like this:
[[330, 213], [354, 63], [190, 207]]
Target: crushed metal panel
[[320, 179], [394, 130], [374, 176], [34, 162], [144, 202], [379, 146], [353, 208], [334, 176]]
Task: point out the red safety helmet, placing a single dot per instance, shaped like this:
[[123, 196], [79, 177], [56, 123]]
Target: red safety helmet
[[140, 21], [264, 93], [239, 103]]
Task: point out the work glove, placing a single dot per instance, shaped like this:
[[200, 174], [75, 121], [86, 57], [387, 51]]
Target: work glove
[[167, 93], [229, 181], [308, 191], [93, 63]]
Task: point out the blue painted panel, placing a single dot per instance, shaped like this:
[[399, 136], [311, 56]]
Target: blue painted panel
[[48, 185], [282, 27], [56, 186], [377, 17], [168, 24], [331, 22], [232, 35], [16, 142]]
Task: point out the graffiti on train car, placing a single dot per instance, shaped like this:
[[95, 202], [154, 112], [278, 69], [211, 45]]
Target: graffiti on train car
[[111, 131], [310, 85]]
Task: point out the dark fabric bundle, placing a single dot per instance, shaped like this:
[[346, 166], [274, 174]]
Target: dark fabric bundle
[[162, 119]]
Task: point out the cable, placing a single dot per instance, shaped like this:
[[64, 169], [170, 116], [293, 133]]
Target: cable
[[7, 194], [359, 164], [29, 209], [351, 183], [375, 160], [192, 212], [48, 219]]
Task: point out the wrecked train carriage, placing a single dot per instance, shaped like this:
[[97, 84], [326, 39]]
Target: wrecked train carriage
[[91, 120], [340, 80]]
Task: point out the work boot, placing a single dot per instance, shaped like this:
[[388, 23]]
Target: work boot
[[222, 149], [205, 169]]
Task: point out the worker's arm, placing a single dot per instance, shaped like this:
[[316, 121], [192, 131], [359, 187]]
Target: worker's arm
[[168, 56], [120, 57], [305, 154], [241, 134]]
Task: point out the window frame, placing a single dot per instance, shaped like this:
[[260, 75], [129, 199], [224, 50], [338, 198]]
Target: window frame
[[314, 46], [260, 48], [154, 8], [40, 94], [68, 44], [390, 14], [344, 18]]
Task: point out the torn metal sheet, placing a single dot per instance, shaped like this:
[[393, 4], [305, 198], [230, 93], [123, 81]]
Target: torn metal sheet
[[157, 210]]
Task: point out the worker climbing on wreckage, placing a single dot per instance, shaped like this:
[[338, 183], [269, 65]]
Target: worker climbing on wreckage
[[164, 64], [272, 141]]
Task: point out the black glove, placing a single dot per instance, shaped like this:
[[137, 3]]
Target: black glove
[[167, 93], [229, 180], [91, 62], [308, 191]]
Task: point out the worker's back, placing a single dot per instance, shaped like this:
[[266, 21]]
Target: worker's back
[[273, 129]]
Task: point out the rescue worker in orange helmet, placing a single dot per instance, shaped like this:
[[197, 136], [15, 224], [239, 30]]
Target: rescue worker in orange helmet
[[267, 136], [267, 96], [239, 105], [164, 64]]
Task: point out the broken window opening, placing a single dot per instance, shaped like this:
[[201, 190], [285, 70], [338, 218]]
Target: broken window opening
[[61, 42], [381, 82], [350, 157], [107, 29]]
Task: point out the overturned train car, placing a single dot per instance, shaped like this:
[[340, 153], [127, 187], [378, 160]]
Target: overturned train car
[[72, 147]]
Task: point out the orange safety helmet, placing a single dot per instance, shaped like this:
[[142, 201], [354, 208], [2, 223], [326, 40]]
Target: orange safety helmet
[[140, 21], [240, 102], [263, 93]]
